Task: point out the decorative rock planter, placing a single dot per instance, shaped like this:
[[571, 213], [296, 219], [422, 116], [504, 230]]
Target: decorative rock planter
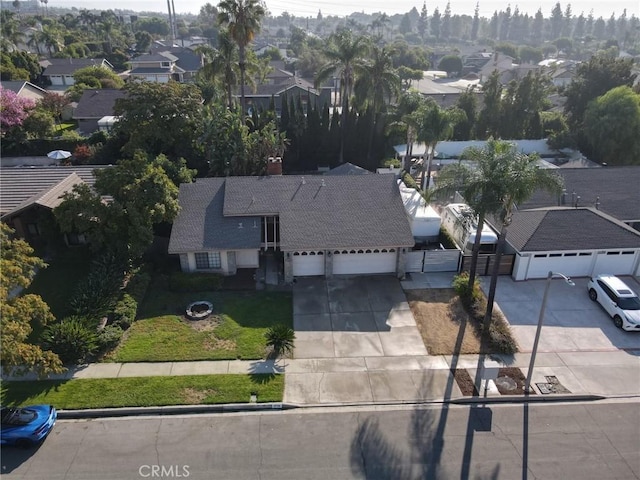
[[199, 310]]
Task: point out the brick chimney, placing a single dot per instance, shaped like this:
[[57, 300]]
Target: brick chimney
[[274, 166]]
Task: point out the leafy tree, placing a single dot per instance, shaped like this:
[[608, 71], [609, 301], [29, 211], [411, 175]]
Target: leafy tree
[[593, 79], [18, 265], [475, 26], [423, 25], [160, 118], [452, 64], [153, 25], [611, 125], [142, 195], [490, 117], [221, 66], [468, 103], [436, 23], [13, 109], [529, 54], [242, 18], [100, 76], [39, 124], [407, 75]]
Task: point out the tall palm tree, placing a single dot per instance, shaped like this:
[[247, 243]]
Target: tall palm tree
[[376, 89], [515, 177], [10, 29], [436, 124], [52, 39], [222, 64], [242, 18], [345, 54]]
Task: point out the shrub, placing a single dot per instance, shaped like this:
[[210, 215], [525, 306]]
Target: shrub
[[124, 313], [280, 339], [194, 282], [110, 336], [446, 239], [138, 285], [409, 181], [469, 296], [72, 339], [96, 296]]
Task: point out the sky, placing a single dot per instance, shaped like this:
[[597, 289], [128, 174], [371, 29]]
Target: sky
[[305, 8]]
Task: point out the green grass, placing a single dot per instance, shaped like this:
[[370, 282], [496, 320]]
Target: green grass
[[161, 334], [56, 283], [59, 128], [144, 391]]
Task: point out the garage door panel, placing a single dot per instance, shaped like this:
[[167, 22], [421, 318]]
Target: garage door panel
[[364, 263], [615, 263], [308, 264], [572, 265]]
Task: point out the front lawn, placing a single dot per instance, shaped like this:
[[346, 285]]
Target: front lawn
[[144, 391], [236, 330]]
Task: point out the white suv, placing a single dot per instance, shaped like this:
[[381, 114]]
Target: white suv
[[620, 302]]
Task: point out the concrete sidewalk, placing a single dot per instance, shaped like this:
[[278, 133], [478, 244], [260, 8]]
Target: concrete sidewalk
[[370, 380]]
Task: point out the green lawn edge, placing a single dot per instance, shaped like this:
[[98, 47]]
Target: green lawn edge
[[144, 391]]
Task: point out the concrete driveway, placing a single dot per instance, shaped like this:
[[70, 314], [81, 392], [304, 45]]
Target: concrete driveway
[[353, 317], [572, 322]]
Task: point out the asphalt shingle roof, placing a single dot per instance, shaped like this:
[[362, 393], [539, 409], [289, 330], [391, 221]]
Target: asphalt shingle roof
[[24, 185], [68, 66], [97, 103], [348, 169], [353, 211], [617, 188], [559, 229], [200, 224]]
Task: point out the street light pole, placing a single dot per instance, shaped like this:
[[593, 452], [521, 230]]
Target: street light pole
[[527, 384]]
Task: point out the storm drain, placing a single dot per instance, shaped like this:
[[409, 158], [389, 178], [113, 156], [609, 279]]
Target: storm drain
[[553, 385]]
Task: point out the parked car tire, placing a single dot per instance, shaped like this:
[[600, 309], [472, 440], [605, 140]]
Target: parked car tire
[[593, 295], [617, 321]]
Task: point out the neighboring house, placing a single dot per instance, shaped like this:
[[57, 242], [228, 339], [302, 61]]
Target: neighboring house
[[28, 194], [446, 91], [94, 106], [24, 89], [316, 225], [500, 62], [293, 88], [187, 59], [348, 169], [60, 71], [592, 228], [157, 67], [578, 242]]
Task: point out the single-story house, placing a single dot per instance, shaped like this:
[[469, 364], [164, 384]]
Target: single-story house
[[60, 71], [578, 242], [93, 106], [24, 89], [28, 194], [317, 225], [293, 88]]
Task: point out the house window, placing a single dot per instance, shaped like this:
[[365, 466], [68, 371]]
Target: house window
[[32, 228], [208, 260], [166, 64]]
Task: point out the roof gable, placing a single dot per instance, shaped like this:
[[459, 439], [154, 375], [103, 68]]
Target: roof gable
[[97, 103]]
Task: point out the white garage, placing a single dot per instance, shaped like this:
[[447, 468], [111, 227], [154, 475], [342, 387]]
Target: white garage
[[308, 264], [369, 261], [576, 264]]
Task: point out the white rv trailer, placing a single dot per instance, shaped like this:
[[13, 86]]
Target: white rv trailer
[[462, 224]]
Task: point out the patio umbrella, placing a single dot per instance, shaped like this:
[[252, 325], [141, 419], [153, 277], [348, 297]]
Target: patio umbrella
[[58, 154]]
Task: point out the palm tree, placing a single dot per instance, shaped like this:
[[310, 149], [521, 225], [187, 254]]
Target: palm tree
[[345, 55], [436, 124], [222, 64], [280, 339], [11, 33], [375, 89], [52, 39], [242, 17], [515, 178]]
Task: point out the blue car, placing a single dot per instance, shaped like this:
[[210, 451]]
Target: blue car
[[26, 426]]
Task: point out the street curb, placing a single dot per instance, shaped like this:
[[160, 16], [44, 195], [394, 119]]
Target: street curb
[[171, 410], [526, 399]]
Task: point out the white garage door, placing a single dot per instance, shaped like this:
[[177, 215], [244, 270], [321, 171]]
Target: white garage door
[[618, 262], [572, 264], [308, 264], [352, 262]]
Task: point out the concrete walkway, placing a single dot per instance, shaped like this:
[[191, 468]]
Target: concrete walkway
[[358, 380]]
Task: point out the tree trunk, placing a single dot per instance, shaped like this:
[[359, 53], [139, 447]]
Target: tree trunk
[[243, 66], [475, 251], [486, 323]]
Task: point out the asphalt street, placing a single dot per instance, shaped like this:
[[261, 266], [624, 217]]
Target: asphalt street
[[580, 440]]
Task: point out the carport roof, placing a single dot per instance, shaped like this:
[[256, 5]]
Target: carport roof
[[561, 228]]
